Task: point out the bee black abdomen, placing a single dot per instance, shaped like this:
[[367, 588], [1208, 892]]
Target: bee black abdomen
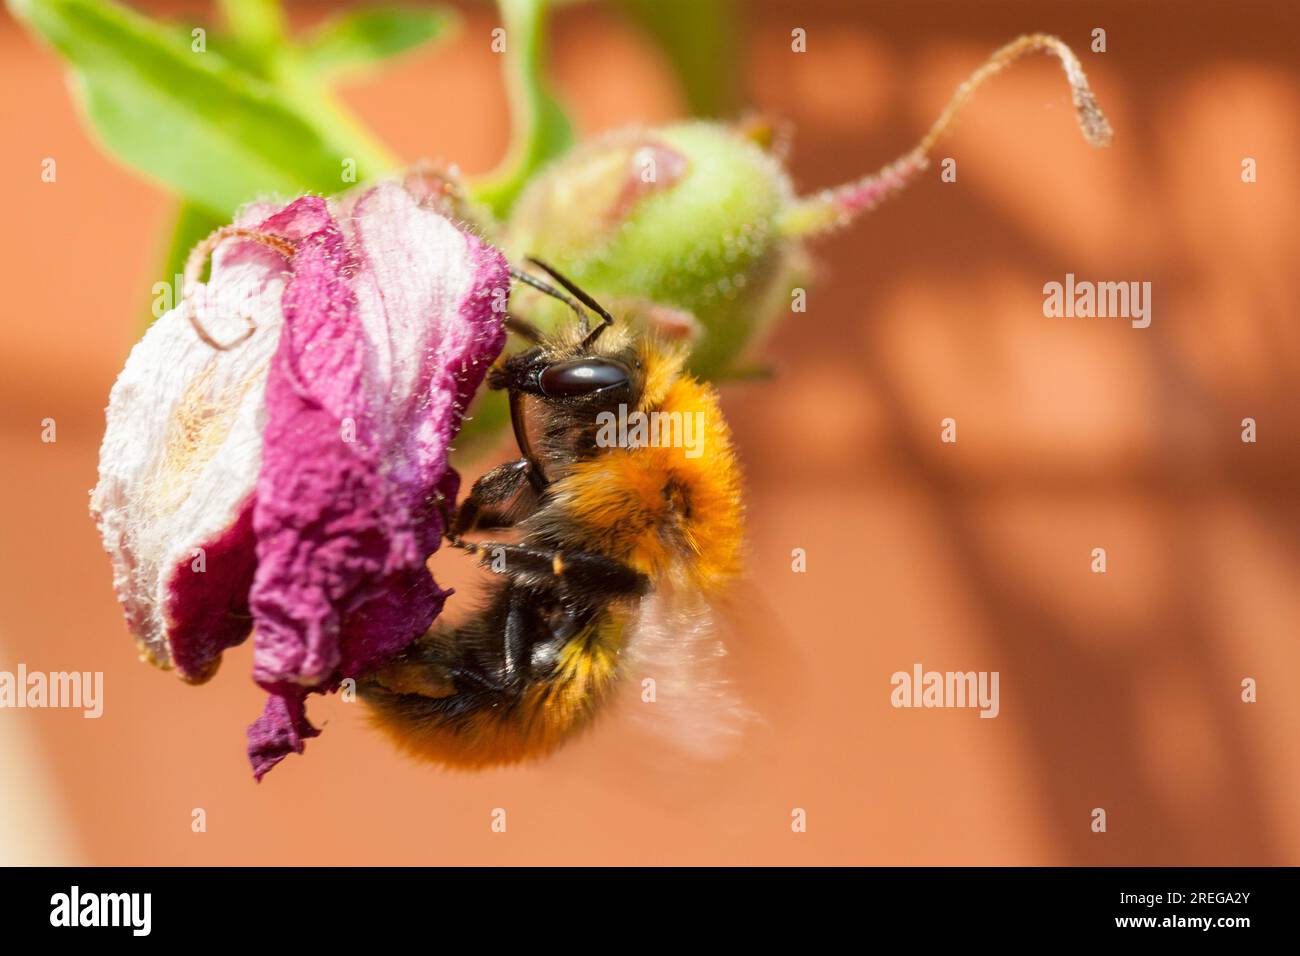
[[494, 688]]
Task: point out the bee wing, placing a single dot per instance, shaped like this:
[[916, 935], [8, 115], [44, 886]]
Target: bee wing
[[679, 683]]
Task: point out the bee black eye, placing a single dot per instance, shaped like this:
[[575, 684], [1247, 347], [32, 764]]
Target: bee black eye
[[581, 377]]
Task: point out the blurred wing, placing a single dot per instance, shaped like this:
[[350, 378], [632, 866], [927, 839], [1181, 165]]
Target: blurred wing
[[676, 641]]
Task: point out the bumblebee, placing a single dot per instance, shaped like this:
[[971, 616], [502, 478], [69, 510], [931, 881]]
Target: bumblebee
[[607, 535]]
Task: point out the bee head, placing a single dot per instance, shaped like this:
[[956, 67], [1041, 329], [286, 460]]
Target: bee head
[[570, 375], [560, 386], [581, 366]]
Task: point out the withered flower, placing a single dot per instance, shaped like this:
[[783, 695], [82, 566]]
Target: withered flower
[[277, 444]]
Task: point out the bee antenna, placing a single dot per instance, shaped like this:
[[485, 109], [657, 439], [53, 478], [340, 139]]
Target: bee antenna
[[553, 292], [606, 319]]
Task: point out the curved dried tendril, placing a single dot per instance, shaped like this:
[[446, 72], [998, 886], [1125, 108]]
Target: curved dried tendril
[[198, 258], [833, 208]]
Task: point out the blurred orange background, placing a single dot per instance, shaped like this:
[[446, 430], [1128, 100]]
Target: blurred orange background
[[1119, 690]]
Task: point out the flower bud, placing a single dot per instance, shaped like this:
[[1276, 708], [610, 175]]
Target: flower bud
[[675, 227], [695, 230]]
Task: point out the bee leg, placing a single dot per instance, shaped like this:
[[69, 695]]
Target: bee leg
[[483, 658], [582, 573], [524, 628], [492, 501], [529, 631], [505, 667]]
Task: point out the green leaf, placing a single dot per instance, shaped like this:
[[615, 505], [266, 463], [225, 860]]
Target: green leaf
[[364, 37], [541, 130], [207, 128], [700, 39]]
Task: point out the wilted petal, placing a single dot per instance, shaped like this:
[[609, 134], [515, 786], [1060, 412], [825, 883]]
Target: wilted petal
[[286, 478], [179, 464], [389, 329], [282, 729]]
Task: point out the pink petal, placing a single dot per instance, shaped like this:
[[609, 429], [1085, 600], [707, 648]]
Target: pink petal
[[288, 482], [389, 329], [282, 729], [179, 464]]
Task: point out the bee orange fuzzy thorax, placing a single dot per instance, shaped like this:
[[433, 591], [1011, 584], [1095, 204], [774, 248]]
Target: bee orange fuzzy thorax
[[667, 498]]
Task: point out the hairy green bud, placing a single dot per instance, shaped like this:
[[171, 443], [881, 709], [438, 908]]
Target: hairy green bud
[[694, 229], [675, 227]]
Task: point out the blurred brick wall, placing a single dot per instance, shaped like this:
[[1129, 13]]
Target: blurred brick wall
[[1118, 691]]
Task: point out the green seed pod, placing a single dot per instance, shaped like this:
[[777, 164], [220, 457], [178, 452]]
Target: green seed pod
[[676, 227], [695, 230]]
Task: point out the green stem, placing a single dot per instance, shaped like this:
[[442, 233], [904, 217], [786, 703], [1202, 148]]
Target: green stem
[[302, 89], [260, 26], [540, 130]]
